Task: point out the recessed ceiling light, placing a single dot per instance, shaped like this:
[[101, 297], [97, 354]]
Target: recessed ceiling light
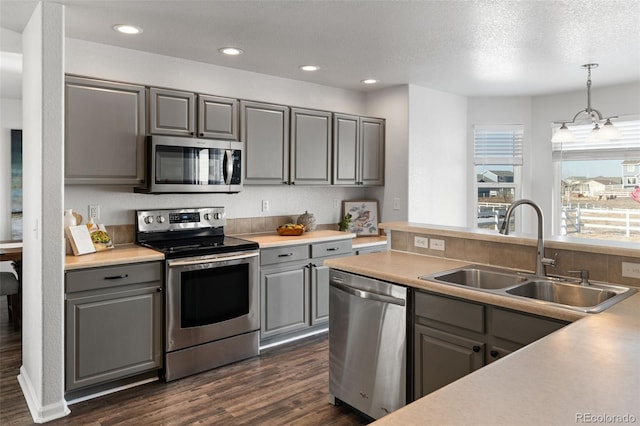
[[309, 67], [233, 51], [127, 29], [369, 81]]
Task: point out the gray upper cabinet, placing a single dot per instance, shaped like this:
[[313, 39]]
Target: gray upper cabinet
[[217, 117], [171, 112], [265, 133], [310, 147], [104, 132], [358, 154]]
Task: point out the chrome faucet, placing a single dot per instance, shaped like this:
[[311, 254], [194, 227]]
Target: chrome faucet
[[541, 261]]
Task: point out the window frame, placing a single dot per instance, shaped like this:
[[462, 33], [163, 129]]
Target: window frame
[[599, 151], [500, 160]]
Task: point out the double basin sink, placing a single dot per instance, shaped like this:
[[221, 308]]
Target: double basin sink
[[591, 298]]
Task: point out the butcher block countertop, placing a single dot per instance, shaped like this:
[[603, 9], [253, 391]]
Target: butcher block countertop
[[586, 372], [119, 255], [272, 239]]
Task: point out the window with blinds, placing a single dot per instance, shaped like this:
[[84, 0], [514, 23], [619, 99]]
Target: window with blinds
[[627, 147], [497, 161], [498, 144]]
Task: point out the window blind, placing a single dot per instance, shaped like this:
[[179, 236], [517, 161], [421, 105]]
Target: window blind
[[498, 144], [627, 147]]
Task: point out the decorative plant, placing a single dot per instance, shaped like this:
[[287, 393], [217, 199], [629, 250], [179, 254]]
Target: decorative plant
[[345, 222]]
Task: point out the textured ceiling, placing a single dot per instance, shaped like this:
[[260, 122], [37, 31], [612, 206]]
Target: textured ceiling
[[472, 48]]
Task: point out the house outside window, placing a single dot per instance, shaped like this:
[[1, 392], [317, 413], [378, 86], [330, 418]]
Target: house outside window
[[595, 181], [497, 171]]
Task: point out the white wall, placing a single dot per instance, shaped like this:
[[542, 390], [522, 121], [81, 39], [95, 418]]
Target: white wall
[[10, 118], [393, 105], [437, 157], [118, 203]]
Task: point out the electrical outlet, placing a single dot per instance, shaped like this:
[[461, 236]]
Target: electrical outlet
[[396, 203], [421, 242], [436, 244], [336, 203], [265, 205], [631, 270], [94, 211]]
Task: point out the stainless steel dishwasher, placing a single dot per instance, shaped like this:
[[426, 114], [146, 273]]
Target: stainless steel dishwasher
[[367, 344]]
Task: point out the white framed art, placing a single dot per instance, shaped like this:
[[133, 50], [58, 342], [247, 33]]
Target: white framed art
[[364, 216]]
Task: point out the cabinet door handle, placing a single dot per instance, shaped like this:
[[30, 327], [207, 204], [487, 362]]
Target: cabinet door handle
[[494, 354], [116, 277], [159, 289], [285, 255], [476, 348]]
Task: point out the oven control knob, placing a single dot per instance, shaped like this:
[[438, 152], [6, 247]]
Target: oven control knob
[[148, 220], [207, 216], [217, 216], [160, 219]]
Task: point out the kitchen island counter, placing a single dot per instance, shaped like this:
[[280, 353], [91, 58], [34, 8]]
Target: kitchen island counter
[[587, 369]]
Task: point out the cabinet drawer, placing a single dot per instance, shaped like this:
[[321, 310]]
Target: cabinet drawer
[[332, 248], [520, 328], [461, 314], [112, 276], [283, 254]]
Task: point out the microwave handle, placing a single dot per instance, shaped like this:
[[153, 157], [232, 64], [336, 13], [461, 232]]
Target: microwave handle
[[228, 158]]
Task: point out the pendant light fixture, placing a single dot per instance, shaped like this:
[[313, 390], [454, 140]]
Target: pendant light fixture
[[605, 132]]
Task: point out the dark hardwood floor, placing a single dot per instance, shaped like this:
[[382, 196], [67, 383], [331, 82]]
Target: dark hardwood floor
[[287, 385]]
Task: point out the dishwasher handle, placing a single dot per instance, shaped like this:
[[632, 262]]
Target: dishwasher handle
[[368, 295]]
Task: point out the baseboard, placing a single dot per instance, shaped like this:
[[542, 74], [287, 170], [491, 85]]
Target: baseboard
[[39, 413]]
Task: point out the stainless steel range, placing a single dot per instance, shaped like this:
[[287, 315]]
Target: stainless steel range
[[212, 297]]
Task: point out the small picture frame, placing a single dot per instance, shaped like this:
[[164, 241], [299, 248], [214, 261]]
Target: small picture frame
[[364, 216]]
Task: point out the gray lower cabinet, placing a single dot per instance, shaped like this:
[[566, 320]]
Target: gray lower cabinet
[[113, 323], [444, 358], [265, 133], [104, 132], [369, 249], [358, 150], [455, 337], [294, 288], [310, 161]]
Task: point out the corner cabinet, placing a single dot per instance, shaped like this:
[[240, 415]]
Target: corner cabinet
[[113, 319], [104, 132], [454, 337], [358, 151], [310, 147], [294, 289]]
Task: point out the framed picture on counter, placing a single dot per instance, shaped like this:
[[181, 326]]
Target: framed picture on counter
[[364, 216]]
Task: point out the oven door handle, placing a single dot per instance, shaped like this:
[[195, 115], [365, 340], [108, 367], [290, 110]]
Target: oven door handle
[[176, 263]]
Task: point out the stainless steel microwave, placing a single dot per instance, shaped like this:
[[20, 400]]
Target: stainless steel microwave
[[185, 165]]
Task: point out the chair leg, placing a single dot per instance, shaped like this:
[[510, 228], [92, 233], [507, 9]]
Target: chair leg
[[10, 308]]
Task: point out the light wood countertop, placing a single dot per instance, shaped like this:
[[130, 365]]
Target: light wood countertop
[[588, 368], [272, 239], [119, 255]]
